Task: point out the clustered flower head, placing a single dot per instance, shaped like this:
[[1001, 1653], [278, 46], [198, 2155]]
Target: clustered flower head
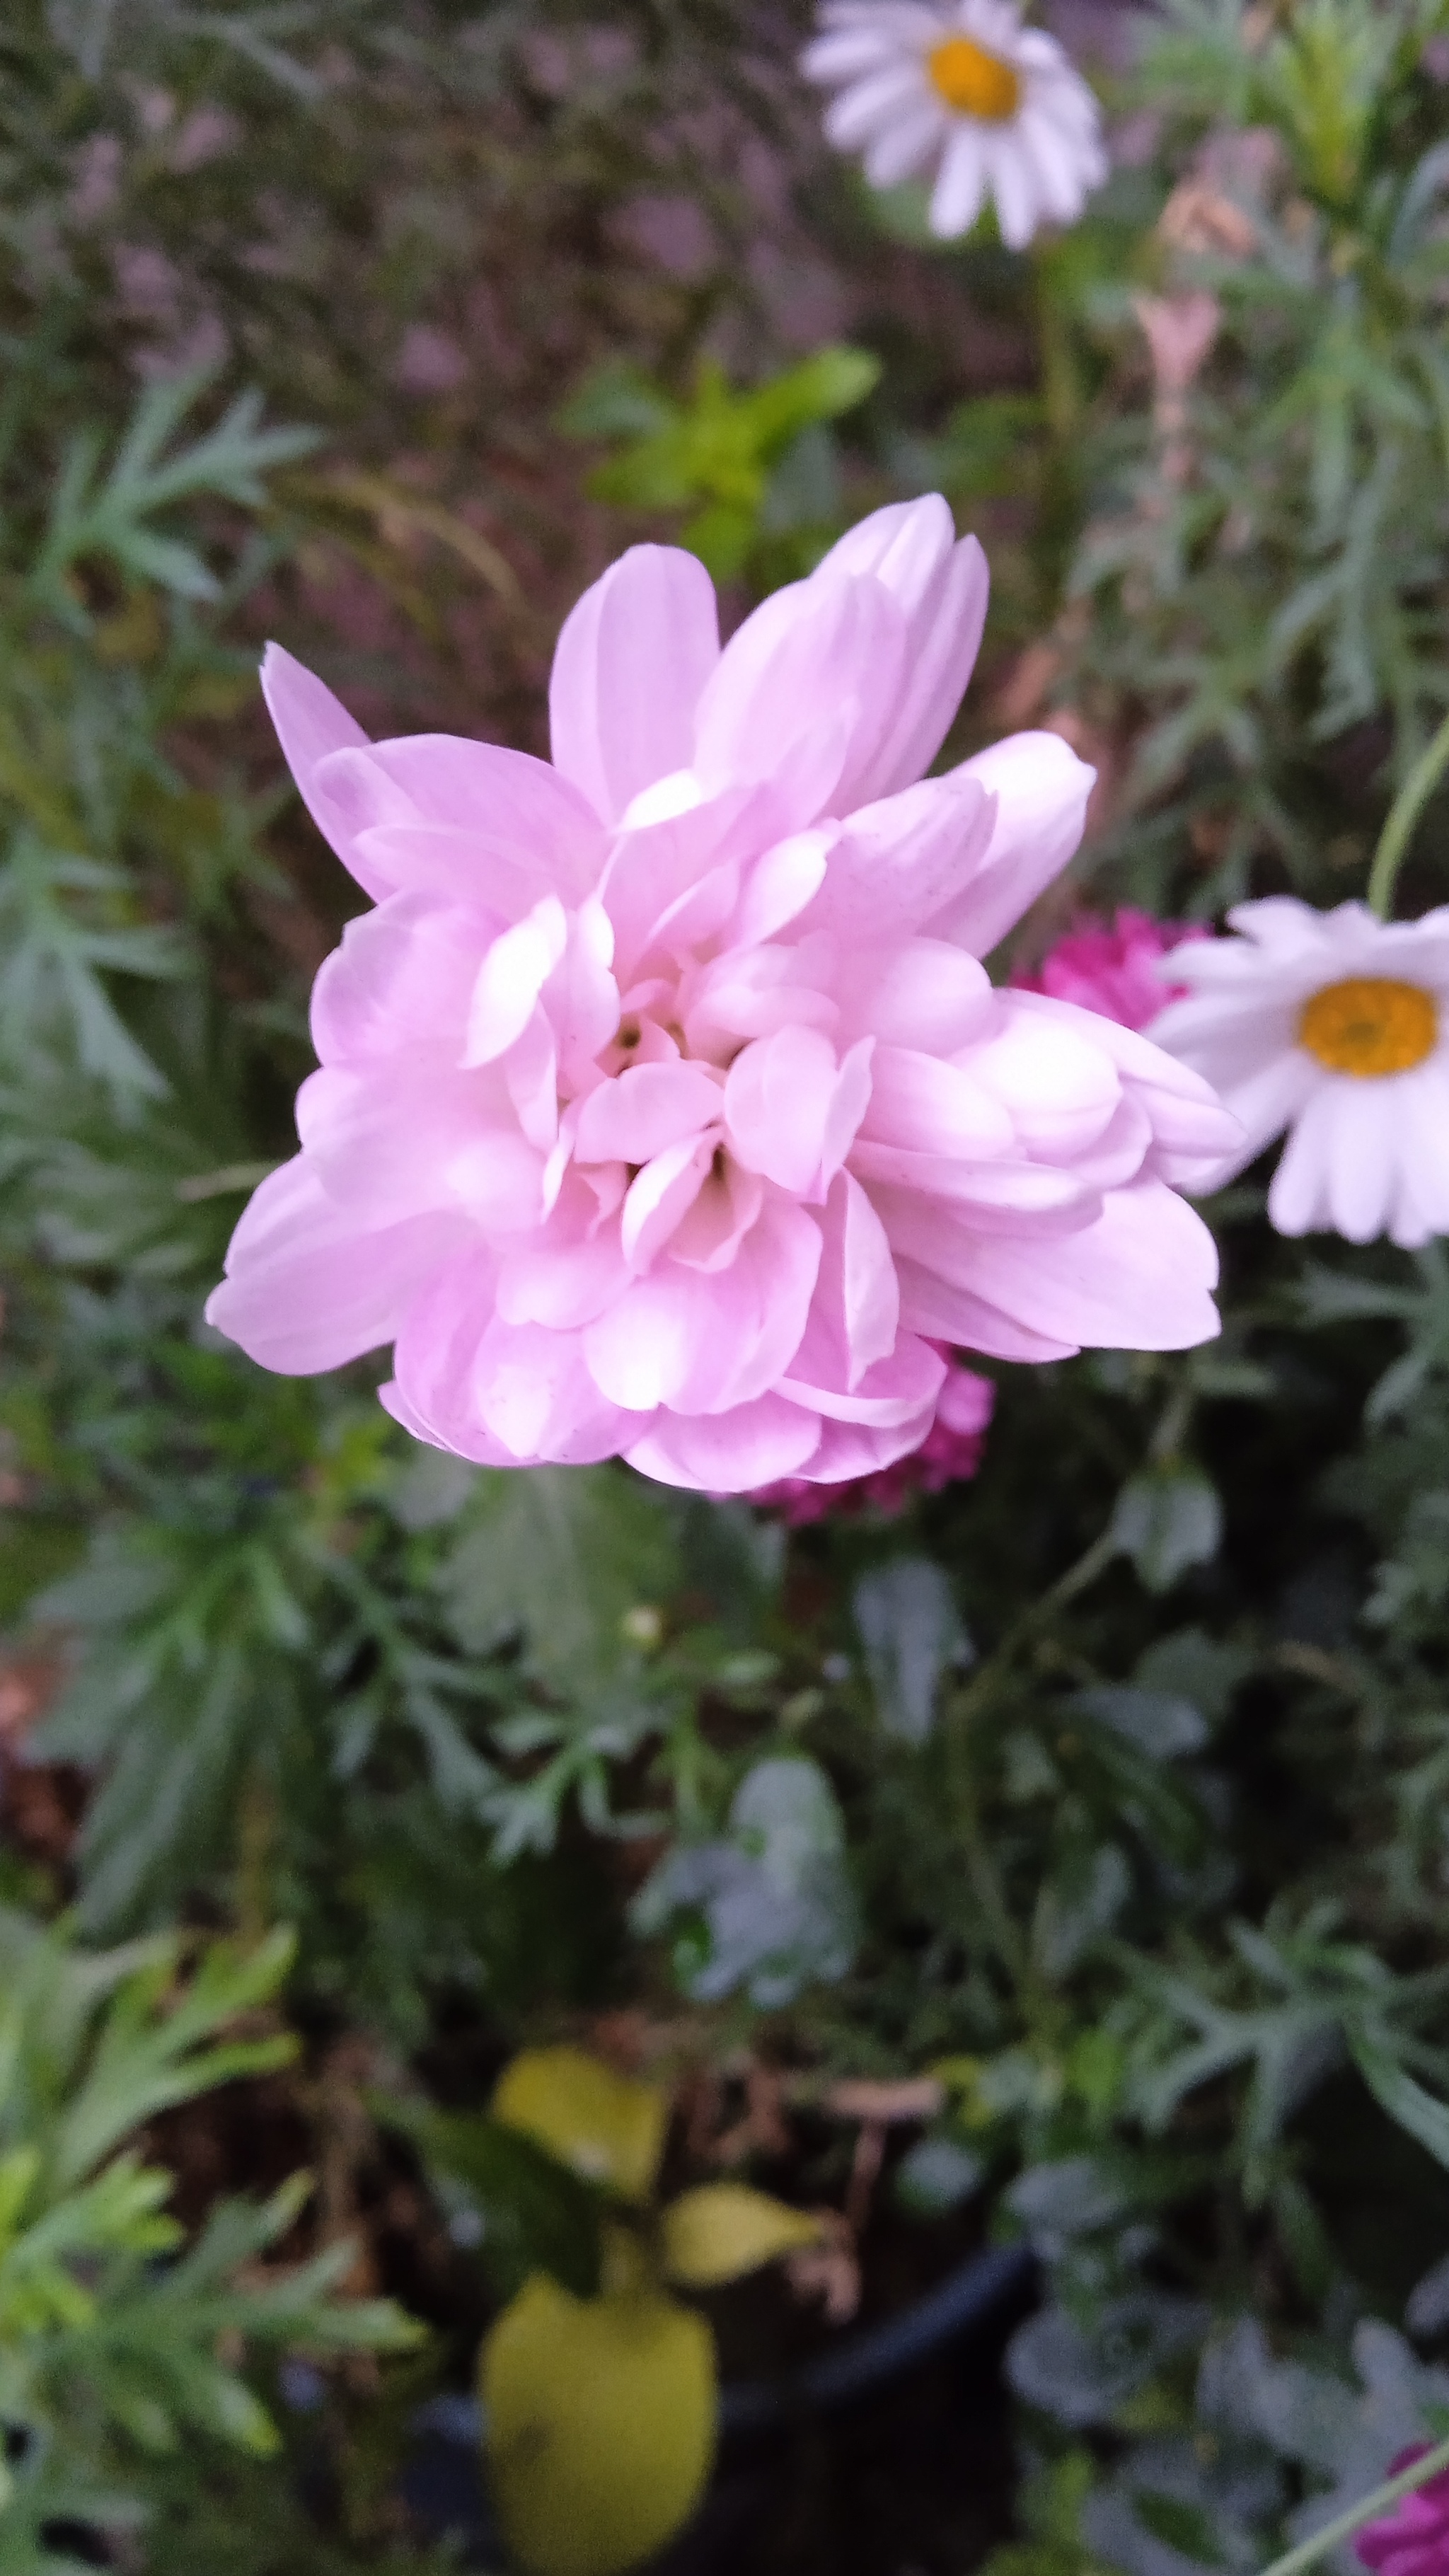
[[1412, 2540], [1112, 967], [950, 1453], [664, 1107], [1335, 1026], [960, 87]]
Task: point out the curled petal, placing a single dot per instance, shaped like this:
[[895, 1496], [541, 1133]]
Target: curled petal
[[307, 1288]]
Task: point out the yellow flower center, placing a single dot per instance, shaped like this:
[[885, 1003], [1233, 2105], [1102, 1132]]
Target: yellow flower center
[[972, 81], [1369, 1025]]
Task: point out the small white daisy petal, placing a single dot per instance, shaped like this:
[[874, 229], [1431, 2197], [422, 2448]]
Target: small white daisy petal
[[1335, 1026], [903, 148], [963, 79], [960, 185]]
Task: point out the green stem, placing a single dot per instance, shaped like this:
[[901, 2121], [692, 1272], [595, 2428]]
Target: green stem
[[1416, 2475], [1403, 814], [1012, 1948]]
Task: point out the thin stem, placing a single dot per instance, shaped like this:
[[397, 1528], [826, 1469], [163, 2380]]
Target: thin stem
[[981, 1868], [1417, 2474], [1403, 814]]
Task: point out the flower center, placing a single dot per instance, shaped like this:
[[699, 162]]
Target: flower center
[[972, 81], [1369, 1025]]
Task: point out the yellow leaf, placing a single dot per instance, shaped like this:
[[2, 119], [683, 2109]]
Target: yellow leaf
[[607, 2126], [600, 2426], [723, 2229]]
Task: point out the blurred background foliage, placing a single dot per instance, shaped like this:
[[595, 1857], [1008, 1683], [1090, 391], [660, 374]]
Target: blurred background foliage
[[1102, 1800]]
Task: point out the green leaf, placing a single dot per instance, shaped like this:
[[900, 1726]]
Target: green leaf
[[538, 2215], [1167, 1519], [1397, 2093]]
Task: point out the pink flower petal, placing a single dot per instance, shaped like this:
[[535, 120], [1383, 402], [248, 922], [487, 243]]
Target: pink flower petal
[[778, 1101], [1041, 790], [660, 1197], [634, 1117], [308, 1288], [632, 661], [511, 978], [310, 723], [728, 1453], [898, 864]]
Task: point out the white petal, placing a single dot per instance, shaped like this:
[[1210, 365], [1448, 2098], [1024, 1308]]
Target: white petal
[[956, 198], [1298, 1198]]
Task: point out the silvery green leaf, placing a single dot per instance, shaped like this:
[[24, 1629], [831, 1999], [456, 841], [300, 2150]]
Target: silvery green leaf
[[1080, 1902], [1071, 2197], [772, 1900], [1426, 2312], [912, 1634], [936, 2175], [1080, 2373], [1167, 1519], [1156, 1724]]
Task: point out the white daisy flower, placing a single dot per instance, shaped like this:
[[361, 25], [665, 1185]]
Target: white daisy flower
[[961, 83], [1334, 1025]]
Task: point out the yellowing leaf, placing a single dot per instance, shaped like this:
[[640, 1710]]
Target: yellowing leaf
[[606, 2126], [600, 2416], [723, 2229]]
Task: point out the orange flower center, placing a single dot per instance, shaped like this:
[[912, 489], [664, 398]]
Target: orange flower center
[[1369, 1025], [974, 82]]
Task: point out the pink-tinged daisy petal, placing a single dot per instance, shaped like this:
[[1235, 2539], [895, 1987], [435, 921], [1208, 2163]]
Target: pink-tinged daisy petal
[[815, 645], [654, 865], [632, 661], [561, 1284], [855, 1310], [946, 1312], [781, 885], [941, 588], [897, 864], [1137, 1278], [923, 994], [519, 819], [386, 1150], [892, 1391], [534, 1394], [512, 976], [850, 1450], [660, 1197], [310, 723], [1041, 790], [791, 1112], [710, 1235], [403, 977], [1195, 1134], [308, 1287], [634, 1117], [1012, 1198], [728, 1453], [1140, 1278], [1058, 1086], [933, 1108], [581, 996]]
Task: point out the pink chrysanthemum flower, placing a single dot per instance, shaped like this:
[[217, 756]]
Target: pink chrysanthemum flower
[[950, 1452], [1412, 2540], [664, 1109], [1112, 967]]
